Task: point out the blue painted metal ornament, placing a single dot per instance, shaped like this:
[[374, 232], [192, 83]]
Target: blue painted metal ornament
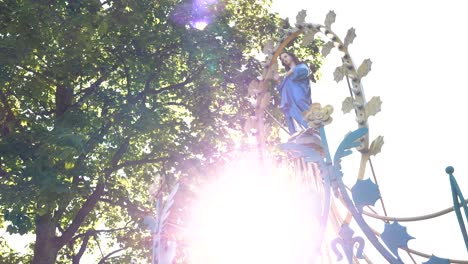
[[365, 192], [458, 200], [395, 236], [347, 242]]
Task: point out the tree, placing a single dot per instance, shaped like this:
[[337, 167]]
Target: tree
[[99, 97]]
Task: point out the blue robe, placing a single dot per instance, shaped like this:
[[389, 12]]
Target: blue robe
[[295, 96]]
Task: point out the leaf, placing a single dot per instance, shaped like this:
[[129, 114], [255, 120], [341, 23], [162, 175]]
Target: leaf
[[69, 165], [300, 17], [373, 106], [330, 19], [347, 105], [395, 236], [365, 192], [376, 146], [339, 73], [308, 37], [20, 222], [103, 27], [365, 68], [73, 140], [327, 48], [349, 37]]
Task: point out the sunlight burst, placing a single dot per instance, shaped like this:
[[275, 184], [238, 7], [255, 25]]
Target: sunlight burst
[[200, 25], [254, 215]]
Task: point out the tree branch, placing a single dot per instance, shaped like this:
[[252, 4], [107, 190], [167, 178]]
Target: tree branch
[[93, 87], [4, 175], [171, 87], [103, 260], [128, 78], [95, 232], [81, 215], [120, 152], [176, 86], [93, 198], [36, 73], [177, 104], [127, 205], [10, 116], [137, 162], [92, 142], [9, 113], [41, 104], [84, 244]]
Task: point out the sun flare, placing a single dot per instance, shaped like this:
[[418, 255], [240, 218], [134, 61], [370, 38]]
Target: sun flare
[[254, 214]]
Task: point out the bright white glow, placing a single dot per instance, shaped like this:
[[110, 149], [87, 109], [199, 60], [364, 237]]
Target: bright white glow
[[252, 215], [200, 25]]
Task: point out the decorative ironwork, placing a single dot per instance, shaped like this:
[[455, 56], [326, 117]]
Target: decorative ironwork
[[347, 242], [164, 249], [365, 192], [437, 260], [458, 201], [395, 236]]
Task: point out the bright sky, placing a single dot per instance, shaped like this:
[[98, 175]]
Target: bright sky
[[418, 50]]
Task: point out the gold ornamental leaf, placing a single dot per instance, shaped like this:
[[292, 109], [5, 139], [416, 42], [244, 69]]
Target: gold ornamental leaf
[[365, 68], [327, 48], [315, 123], [376, 146], [328, 109], [347, 105], [349, 37], [314, 107], [300, 17], [308, 37], [328, 121], [330, 19], [339, 73], [373, 106]]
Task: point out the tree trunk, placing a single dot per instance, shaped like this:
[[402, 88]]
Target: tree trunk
[[63, 99], [45, 248]]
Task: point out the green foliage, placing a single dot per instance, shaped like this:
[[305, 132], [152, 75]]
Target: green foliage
[[99, 96], [8, 255], [310, 54]]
